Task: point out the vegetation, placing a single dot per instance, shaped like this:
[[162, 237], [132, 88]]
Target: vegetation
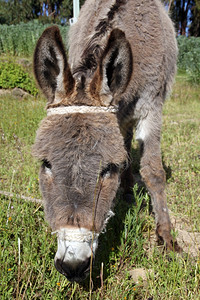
[[54, 11], [185, 15], [21, 39], [189, 57], [28, 248], [12, 75]]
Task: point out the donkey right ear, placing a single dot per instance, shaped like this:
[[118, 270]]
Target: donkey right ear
[[51, 67], [114, 71]]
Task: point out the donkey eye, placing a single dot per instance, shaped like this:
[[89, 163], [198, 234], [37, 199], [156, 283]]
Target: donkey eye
[[109, 170], [46, 164], [47, 167]]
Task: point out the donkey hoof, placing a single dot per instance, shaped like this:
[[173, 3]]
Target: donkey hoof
[[170, 243]]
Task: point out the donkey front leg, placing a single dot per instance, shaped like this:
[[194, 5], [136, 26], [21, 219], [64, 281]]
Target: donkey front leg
[[153, 175]]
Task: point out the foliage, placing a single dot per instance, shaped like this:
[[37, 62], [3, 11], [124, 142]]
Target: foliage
[[66, 10], [13, 12], [21, 39], [46, 11], [180, 10], [189, 57], [194, 27], [12, 75], [185, 15]]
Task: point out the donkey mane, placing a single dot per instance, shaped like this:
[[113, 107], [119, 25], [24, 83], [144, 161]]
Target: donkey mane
[[94, 48]]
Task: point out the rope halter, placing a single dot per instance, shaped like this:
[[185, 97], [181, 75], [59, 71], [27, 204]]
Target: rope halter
[[72, 235], [61, 110]]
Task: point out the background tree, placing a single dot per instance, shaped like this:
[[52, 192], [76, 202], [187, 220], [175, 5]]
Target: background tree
[[185, 14], [66, 11], [47, 11], [16, 11], [194, 27], [180, 10]]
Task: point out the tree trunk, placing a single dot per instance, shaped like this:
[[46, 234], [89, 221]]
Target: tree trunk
[[184, 16]]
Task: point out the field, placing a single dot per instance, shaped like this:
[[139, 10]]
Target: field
[[28, 248]]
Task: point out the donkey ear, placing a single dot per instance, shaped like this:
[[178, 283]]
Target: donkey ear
[[114, 70], [50, 66]]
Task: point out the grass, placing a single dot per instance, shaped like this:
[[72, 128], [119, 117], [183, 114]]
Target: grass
[[181, 150], [27, 247], [21, 39]]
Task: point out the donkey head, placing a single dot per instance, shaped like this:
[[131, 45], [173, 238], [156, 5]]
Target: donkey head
[[81, 153]]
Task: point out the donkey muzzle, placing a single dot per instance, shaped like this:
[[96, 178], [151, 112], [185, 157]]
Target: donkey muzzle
[[76, 249]]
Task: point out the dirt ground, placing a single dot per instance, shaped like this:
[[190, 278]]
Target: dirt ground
[[187, 239]]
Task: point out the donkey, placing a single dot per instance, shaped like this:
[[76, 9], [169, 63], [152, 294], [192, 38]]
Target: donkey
[[121, 66]]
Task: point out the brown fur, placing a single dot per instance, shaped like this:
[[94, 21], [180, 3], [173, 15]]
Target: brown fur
[[79, 148], [121, 53]]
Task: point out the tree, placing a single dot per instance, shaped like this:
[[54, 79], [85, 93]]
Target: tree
[[194, 27], [54, 11], [67, 8], [185, 15], [180, 10], [13, 11]]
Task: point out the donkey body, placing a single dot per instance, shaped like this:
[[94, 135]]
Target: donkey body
[[122, 62]]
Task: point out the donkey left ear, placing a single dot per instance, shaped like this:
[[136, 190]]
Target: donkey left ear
[[114, 70], [51, 67]]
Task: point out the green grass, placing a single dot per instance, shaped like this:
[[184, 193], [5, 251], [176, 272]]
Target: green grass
[[29, 273], [20, 39], [181, 150]]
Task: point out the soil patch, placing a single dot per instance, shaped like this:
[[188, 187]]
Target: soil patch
[[187, 239]]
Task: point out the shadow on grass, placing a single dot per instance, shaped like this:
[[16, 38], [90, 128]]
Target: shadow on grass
[[168, 170]]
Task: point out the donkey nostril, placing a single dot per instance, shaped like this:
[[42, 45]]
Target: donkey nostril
[[85, 267], [71, 251], [62, 268], [77, 273]]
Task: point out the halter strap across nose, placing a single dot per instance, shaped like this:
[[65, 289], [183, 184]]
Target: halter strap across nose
[[75, 235], [75, 246]]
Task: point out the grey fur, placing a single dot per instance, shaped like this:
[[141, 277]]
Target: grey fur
[[123, 54]]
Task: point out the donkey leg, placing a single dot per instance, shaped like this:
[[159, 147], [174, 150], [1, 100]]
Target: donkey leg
[[153, 175]]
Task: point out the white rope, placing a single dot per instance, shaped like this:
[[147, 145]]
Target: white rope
[[80, 235], [74, 236], [61, 110]]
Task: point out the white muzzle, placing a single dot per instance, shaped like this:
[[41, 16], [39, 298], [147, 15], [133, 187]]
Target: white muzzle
[[75, 246]]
